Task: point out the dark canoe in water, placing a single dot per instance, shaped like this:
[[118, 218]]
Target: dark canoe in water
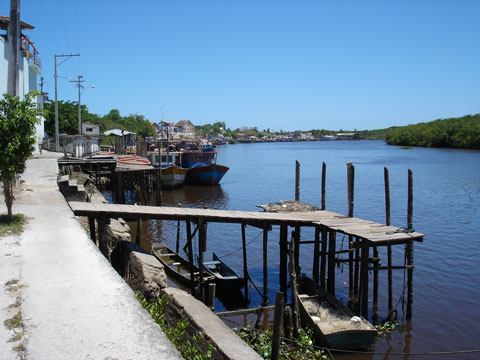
[[226, 278], [176, 266], [335, 326]]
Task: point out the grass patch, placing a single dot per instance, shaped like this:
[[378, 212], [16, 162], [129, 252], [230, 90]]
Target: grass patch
[[14, 227], [15, 322], [13, 285], [19, 348], [17, 337]]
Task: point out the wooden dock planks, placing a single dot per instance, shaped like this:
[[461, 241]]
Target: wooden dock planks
[[375, 233]]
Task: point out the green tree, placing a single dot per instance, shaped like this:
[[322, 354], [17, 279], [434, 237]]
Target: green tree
[[17, 130]]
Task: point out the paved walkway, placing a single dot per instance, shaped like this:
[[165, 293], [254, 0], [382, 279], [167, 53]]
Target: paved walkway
[[73, 304]]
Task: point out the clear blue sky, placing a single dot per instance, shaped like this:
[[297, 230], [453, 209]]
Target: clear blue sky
[[280, 64]]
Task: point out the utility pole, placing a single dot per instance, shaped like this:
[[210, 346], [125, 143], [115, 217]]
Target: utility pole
[[80, 86], [57, 142], [13, 37]]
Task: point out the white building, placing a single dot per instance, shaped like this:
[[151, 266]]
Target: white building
[[187, 129], [29, 68]]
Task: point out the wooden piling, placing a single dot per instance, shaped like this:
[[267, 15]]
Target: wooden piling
[[177, 245], [331, 262], [375, 280], [323, 257], [277, 325], [245, 265], [91, 225], [364, 279], [324, 177], [409, 256], [265, 265], [389, 247], [190, 257], [316, 256], [410, 200], [202, 229], [139, 232], [293, 288], [211, 296], [283, 258], [409, 248], [297, 181], [356, 270], [119, 193], [297, 249], [158, 180], [351, 193]]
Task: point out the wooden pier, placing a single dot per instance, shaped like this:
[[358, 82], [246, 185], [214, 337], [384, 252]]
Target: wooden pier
[[365, 235]]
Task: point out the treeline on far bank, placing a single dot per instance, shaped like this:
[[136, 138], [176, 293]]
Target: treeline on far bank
[[462, 132]]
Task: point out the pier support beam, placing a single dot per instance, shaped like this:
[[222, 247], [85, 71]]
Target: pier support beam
[[283, 258], [364, 279], [265, 265], [323, 257], [331, 262], [245, 265], [316, 256]]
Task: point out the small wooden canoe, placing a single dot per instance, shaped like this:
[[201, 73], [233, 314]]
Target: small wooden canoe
[[176, 266], [226, 278], [335, 326]]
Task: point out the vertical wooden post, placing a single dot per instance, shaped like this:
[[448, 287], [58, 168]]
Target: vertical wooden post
[[324, 177], [103, 221], [316, 255], [331, 262], [297, 250], [409, 256], [119, 194], [409, 248], [190, 257], [364, 278], [245, 265], [297, 181], [410, 200], [201, 249], [139, 232], [323, 257], [265, 264], [177, 245], [283, 258], [356, 270], [277, 325], [389, 247], [375, 280], [91, 224], [350, 191], [293, 288], [211, 296], [158, 181]]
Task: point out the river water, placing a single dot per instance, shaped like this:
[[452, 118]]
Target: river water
[[446, 311]]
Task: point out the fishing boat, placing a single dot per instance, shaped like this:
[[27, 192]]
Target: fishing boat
[[226, 279], [176, 266], [203, 169], [173, 175], [335, 326]]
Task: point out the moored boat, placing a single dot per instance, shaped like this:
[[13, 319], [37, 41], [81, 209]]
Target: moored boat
[[203, 169], [176, 266], [226, 278], [335, 326], [173, 175]]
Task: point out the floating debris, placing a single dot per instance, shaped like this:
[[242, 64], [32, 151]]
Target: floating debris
[[288, 205]]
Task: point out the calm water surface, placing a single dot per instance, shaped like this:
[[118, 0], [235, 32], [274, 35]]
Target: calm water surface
[[446, 314]]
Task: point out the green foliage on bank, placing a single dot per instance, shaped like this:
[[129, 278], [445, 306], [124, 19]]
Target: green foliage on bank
[[462, 133], [68, 120], [190, 346]]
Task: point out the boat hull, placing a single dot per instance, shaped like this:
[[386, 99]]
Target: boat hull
[[350, 337], [208, 175], [173, 177], [226, 279]]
